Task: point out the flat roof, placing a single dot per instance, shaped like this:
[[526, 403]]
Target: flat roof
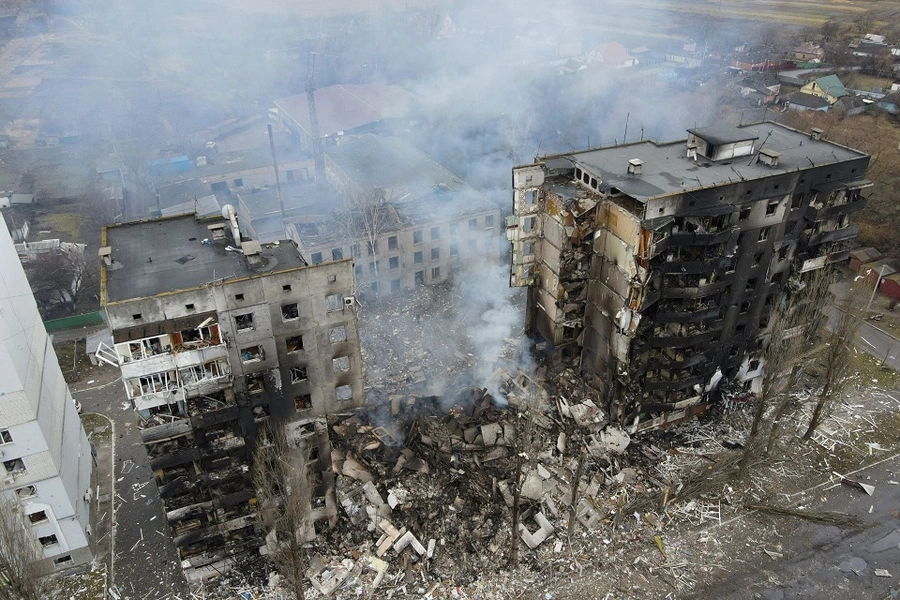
[[164, 255], [667, 170], [344, 107]]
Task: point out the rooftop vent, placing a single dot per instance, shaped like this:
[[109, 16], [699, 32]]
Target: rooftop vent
[[815, 133], [251, 249], [634, 166], [768, 157]]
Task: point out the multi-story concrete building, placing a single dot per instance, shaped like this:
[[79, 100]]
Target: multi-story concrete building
[[656, 266], [215, 336], [45, 452], [405, 220]]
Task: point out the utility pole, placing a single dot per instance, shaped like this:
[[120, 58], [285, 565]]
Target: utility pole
[[875, 290], [275, 164], [318, 157]]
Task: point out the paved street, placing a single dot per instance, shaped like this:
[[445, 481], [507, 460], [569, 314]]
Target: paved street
[[145, 563]]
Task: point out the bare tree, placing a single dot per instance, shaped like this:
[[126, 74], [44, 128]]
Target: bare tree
[[60, 277], [20, 578], [280, 476], [793, 319], [367, 218], [836, 358]]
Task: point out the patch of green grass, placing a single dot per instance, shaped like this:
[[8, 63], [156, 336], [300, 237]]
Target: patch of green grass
[[73, 361], [64, 224], [87, 585], [97, 428]]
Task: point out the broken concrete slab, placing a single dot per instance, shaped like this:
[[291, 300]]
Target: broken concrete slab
[[536, 538]]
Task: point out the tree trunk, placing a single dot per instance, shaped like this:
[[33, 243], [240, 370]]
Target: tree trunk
[[514, 538], [817, 414]]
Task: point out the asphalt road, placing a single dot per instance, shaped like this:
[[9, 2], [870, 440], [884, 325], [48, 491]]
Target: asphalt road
[[822, 560], [146, 562]]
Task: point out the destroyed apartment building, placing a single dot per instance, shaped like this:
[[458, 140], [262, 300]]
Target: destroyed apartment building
[[655, 267], [215, 335], [405, 220]]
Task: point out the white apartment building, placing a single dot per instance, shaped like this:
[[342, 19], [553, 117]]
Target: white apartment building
[[45, 452]]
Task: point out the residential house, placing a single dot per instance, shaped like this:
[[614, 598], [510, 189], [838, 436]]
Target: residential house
[[216, 336], [802, 101], [611, 54], [656, 267], [808, 51], [861, 256], [829, 87], [45, 453]]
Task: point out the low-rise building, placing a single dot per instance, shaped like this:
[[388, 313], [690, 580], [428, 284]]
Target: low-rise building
[[403, 218]]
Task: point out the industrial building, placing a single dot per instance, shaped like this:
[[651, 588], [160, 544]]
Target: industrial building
[[655, 266], [215, 336], [403, 218], [45, 452]]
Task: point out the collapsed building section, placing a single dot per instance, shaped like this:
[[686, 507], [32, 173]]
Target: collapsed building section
[[216, 335], [656, 266]]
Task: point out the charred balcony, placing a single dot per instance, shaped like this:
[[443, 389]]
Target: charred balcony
[[210, 410], [677, 383], [691, 286], [174, 459], [836, 235], [676, 359], [819, 212], [686, 311], [697, 266], [682, 335]]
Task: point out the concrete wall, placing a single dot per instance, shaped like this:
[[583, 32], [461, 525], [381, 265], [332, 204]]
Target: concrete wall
[[39, 415]]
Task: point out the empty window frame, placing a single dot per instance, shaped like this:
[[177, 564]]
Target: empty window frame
[[764, 234], [38, 517], [316, 258], [394, 262], [771, 208], [420, 277], [473, 224], [13, 466], [255, 382], [334, 302], [252, 354], [337, 254], [290, 312], [63, 560], [337, 334], [373, 267], [435, 233], [341, 364], [354, 250], [436, 273], [489, 220], [392, 242], [48, 540], [302, 402], [299, 374], [294, 343], [395, 285], [343, 392], [435, 254], [454, 228], [745, 213], [529, 223], [28, 491], [243, 322], [418, 257], [286, 287], [417, 237], [238, 296], [454, 249], [5, 437]]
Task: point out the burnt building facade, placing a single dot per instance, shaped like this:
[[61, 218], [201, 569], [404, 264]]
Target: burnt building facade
[[656, 266], [216, 336]]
